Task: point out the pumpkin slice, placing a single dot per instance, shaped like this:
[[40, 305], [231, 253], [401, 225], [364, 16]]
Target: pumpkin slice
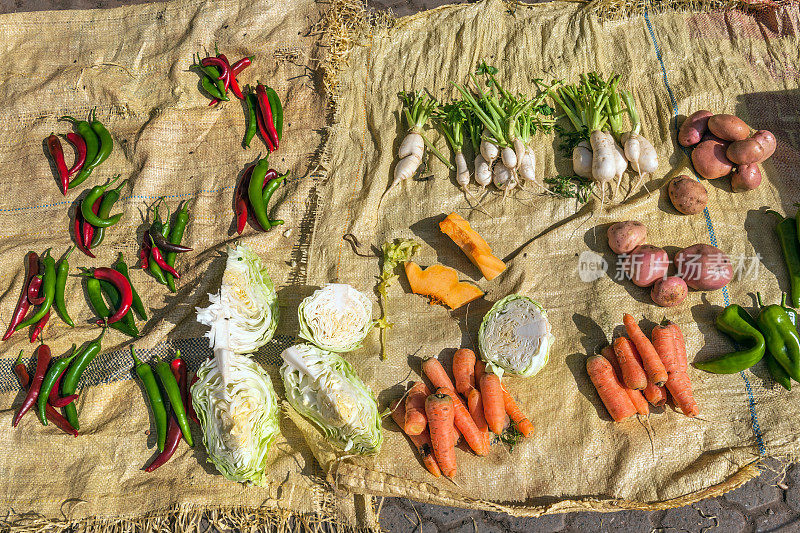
[[441, 284], [472, 244]]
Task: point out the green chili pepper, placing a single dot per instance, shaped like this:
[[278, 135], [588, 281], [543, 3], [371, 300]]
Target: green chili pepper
[[61, 284], [145, 373], [788, 237], [737, 323], [252, 124], [69, 383], [277, 110], [175, 237], [789, 311], [106, 204], [87, 203], [254, 193], [173, 391], [106, 142], [94, 290], [85, 130], [782, 340], [115, 299], [137, 304], [50, 378], [49, 288], [778, 373], [269, 190]]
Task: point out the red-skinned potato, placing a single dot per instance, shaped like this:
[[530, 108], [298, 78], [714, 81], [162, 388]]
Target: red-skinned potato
[[694, 127], [710, 161], [745, 178], [646, 264], [704, 267], [687, 195], [753, 150], [669, 292], [729, 127], [623, 237]]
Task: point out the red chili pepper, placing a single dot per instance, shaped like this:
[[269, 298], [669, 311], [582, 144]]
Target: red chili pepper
[[31, 270], [159, 259], [270, 175], [34, 298], [233, 83], [144, 253], [262, 129], [241, 203], [80, 153], [37, 330], [240, 65], [57, 153], [189, 406], [78, 229], [214, 101], [122, 285], [170, 445], [52, 415], [225, 70], [42, 360], [266, 111], [179, 370], [54, 399], [88, 229]]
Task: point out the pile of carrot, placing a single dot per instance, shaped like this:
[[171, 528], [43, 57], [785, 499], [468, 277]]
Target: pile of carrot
[[636, 370], [436, 421]]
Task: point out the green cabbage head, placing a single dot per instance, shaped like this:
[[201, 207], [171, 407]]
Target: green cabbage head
[[239, 418], [335, 318], [515, 336], [325, 389]]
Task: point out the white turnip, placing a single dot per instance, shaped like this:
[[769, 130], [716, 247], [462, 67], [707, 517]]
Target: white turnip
[[582, 160]]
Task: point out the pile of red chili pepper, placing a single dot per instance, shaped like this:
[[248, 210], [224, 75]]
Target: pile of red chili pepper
[[93, 215], [255, 189], [169, 427], [116, 286], [218, 75], [162, 244], [43, 286], [93, 145], [54, 385]]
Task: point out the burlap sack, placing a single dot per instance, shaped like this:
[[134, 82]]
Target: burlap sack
[[133, 65], [674, 63]]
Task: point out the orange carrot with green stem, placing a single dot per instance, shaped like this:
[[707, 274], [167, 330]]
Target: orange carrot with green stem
[[515, 413], [632, 372], [651, 362], [494, 407], [639, 401], [464, 370], [415, 420], [421, 442], [609, 388], [440, 414]]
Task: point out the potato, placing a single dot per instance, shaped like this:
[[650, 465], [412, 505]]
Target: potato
[[746, 178], [729, 127], [669, 292], [645, 264], [687, 195], [768, 141], [694, 127], [704, 267], [710, 161], [753, 150], [623, 237]]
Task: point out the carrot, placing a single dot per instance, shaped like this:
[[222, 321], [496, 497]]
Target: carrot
[[494, 408], [655, 395], [639, 401], [664, 343], [680, 387], [439, 410], [512, 409], [464, 370], [415, 420], [480, 370], [680, 347], [609, 388], [631, 369], [651, 362], [464, 423], [421, 442], [476, 410]]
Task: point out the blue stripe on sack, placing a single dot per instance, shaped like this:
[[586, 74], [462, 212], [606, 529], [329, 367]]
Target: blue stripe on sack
[[712, 236]]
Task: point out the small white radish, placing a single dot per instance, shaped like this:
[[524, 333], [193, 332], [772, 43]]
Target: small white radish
[[509, 157], [648, 161], [462, 172], [404, 170], [582, 160], [489, 150], [520, 149], [622, 164], [412, 145], [483, 171], [604, 161], [642, 155], [633, 150], [501, 176], [527, 167]]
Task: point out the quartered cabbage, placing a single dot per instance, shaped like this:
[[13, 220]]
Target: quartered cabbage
[[515, 336], [239, 418], [325, 389], [335, 318]]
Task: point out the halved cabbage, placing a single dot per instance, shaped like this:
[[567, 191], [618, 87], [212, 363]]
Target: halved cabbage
[[337, 317], [239, 417], [515, 336], [325, 389]]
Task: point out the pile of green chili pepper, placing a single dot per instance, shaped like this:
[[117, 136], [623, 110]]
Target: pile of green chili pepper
[[93, 144], [788, 230], [772, 335], [253, 193], [169, 428], [93, 215], [45, 290], [218, 75], [162, 244]]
